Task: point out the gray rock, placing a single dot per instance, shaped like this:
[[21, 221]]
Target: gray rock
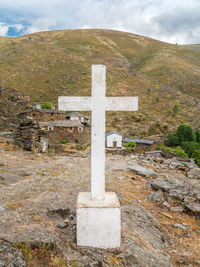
[[1, 208], [193, 208], [154, 196], [135, 256], [194, 173], [142, 224], [176, 209], [10, 256], [62, 225], [143, 171], [147, 248], [8, 178], [189, 165], [180, 226], [175, 165]]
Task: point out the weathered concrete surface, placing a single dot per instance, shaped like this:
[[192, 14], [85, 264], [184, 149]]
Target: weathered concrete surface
[[98, 222]]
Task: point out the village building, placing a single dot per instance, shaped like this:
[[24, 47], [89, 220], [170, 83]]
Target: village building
[[141, 145], [76, 116], [113, 140], [42, 114], [66, 130]]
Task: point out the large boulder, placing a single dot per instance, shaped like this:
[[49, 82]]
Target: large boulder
[[143, 171]]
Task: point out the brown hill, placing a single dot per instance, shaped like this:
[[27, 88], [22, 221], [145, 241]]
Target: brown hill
[[165, 77]]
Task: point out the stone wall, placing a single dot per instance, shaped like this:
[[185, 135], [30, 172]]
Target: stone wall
[[141, 148], [73, 136], [43, 115]]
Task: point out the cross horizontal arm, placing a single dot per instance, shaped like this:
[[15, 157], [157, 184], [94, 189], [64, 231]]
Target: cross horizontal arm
[[121, 103], [74, 103]]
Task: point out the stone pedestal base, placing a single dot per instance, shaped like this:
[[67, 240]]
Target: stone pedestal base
[[98, 222]]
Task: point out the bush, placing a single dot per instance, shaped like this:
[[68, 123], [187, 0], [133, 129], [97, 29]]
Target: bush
[[179, 152], [185, 133], [130, 144], [197, 133], [79, 147], [64, 141], [196, 156], [46, 105], [175, 109], [172, 140], [190, 147]]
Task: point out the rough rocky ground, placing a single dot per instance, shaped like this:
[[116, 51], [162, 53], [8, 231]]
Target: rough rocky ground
[[37, 211]]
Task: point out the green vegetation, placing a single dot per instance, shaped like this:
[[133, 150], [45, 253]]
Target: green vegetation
[[186, 141], [175, 109], [196, 156], [185, 133], [130, 144], [172, 140], [190, 147], [46, 105], [78, 147], [157, 99], [179, 152], [64, 141]]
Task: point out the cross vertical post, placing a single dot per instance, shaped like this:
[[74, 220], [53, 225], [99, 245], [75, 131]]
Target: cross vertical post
[[98, 132]]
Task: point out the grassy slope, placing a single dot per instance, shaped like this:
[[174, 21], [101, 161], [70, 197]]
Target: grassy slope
[[48, 64]]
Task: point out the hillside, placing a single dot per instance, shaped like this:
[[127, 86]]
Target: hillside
[[48, 64]]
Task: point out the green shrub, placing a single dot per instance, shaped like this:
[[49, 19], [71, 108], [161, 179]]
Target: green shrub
[[46, 105], [64, 141], [172, 140], [179, 152], [197, 133], [79, 147], [175, 109], [130, 144], [196, 156], [190, 147], [185, 133]]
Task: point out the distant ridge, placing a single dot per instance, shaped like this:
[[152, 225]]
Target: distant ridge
[[48, 64]]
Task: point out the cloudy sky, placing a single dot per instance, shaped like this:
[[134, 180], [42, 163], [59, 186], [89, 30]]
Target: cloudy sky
[[173, 21]]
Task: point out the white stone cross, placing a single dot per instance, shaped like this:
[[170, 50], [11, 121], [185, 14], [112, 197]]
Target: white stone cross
[[98, 104]]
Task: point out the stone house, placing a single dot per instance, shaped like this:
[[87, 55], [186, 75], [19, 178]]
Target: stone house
[[43, 114], [142, 145], [113, 140], [73, 131], [76, 116]]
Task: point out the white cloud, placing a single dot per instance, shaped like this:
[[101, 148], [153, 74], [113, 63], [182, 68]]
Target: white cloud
[[3, 29], [41, 24]]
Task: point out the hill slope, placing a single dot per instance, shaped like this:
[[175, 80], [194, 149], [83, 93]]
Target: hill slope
[[48, 64]]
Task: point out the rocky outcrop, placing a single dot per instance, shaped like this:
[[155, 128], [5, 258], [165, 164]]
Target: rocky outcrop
[[143, 171], [186, 191], [139, 227], [10, 256], [194, 173]]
